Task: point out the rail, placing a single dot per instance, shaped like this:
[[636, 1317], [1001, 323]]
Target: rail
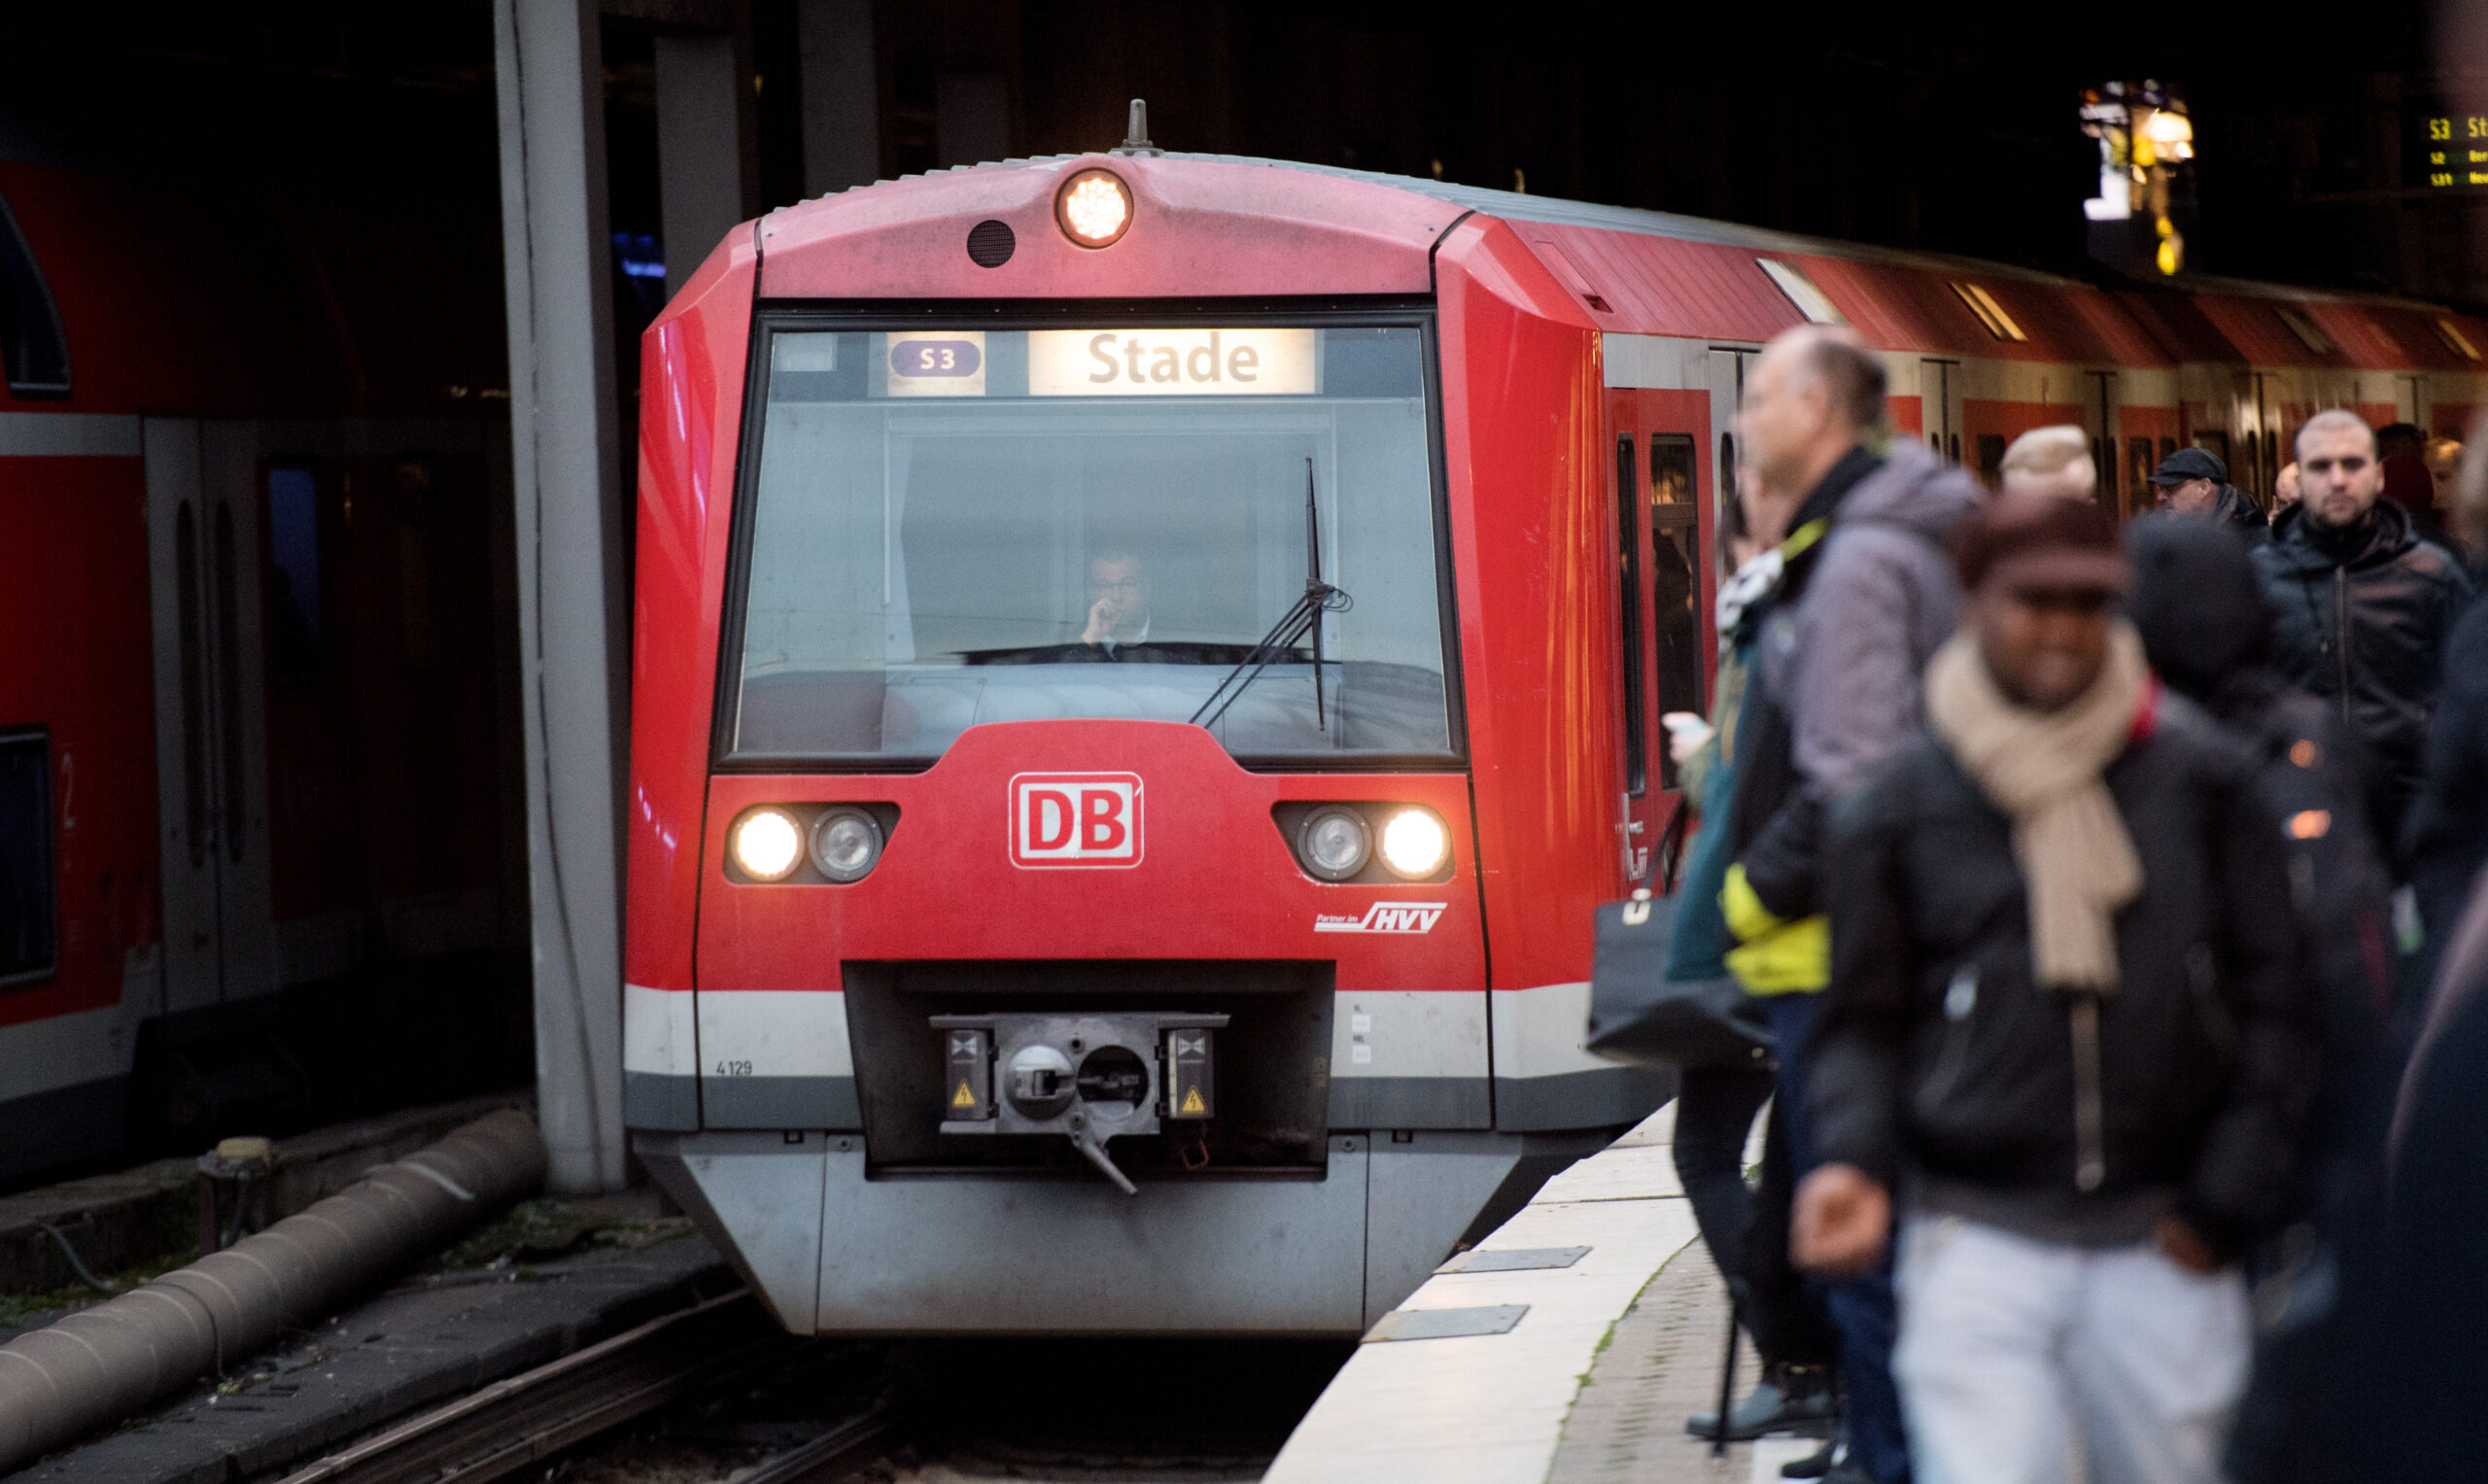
[[526, 1417]]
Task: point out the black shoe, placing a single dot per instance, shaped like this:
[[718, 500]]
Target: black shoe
[[1813, 1465], [1786, 1400], [1848, 1473]]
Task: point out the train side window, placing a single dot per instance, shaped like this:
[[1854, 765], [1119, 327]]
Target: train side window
[[1637, 740], [28, 892], [2139, 465], [1992, 457], [1675, 580], [34, 353], [296, 637]]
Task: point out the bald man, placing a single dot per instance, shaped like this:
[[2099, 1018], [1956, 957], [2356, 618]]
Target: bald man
[[2364, 604]]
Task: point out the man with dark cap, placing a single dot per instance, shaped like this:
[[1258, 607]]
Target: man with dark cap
[[2067, 1027], [2194, 481]]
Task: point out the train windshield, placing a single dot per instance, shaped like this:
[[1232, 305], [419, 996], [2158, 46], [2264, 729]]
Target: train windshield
[[952, 527]]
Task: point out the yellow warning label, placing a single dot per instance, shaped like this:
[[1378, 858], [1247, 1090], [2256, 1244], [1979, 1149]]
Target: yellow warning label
[[1193, 1101], [964, 1098]]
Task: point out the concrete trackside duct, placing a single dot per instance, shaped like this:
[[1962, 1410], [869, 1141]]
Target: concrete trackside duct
[[101, 1364]]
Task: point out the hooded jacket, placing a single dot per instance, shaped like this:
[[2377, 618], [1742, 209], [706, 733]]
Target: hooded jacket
[[1940, 1062], [1839, 653], [2362, 619], [2200, 611]]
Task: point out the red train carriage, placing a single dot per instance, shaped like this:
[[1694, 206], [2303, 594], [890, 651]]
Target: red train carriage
[[1144, 665], [247, 744]]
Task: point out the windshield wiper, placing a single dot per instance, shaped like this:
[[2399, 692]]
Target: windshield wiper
[[1301, 616]]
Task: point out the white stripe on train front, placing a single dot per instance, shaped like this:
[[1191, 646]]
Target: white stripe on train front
[[745, 1032], [1540, 1032]]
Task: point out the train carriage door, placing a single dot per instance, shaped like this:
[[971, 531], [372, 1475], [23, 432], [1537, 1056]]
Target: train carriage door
[[1635, 827], [1939, 395], [203, 564], [2100, 420], [1681, 642]]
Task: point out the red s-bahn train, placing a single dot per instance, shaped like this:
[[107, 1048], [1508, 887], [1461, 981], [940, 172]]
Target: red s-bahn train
[[1145, 663], [249, 719]]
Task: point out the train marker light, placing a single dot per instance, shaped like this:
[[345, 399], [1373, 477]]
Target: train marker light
[[1415, 843], [767, 845], [1333, 843], [1093, 208], [845, 844]]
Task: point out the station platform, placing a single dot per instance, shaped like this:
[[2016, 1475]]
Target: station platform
[[1578, 1366]]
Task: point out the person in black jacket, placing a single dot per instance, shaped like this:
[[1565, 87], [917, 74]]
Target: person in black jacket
[[2208, 634], [2068, 1022], [2445, 840], [2365, 605]]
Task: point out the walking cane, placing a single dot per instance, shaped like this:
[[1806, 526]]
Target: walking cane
[[1727, 1382]]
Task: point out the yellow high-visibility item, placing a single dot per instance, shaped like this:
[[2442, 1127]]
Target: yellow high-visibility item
[[1773, 957]]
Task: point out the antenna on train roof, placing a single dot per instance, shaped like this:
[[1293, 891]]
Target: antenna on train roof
[[1136, 135]]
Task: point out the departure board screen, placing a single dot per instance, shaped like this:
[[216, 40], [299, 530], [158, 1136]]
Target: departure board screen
[[2451, 150]]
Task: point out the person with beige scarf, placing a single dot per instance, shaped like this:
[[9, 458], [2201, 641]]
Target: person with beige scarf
[[2068, 1034]]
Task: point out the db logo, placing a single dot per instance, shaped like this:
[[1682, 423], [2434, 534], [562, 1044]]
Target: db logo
[[1075, 819]]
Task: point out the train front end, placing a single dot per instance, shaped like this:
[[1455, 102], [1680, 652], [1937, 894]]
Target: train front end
[[1054, 897]]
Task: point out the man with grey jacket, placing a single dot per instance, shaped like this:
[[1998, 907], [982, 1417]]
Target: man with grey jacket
[[1866, 596]]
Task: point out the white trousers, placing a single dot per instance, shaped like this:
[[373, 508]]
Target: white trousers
[[2027, 1363]]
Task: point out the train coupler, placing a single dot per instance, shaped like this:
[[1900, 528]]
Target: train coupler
[[1090, 1078]]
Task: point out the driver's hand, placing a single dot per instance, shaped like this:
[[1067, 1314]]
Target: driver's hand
[[1102, 618], [1842, 1219]]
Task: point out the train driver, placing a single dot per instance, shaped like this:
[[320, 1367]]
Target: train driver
[[1118, 602]]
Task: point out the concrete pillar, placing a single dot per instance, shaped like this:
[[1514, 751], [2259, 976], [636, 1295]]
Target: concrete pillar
[[707, 168], [573, 612], [842, 95]]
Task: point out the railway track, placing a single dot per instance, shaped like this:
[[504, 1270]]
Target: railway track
[[529, 1418], [718, 1389]]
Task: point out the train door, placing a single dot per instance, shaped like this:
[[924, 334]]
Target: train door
[[2262, 462], [2100, 420], [2410, 399], [1729, 366], [1938, 393], [211, 777], [1667, 585]]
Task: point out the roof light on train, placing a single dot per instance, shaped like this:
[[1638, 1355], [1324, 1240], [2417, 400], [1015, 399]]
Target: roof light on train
[[767, 844], [1415, 843], [1335, 843], [1093, 208], [847, 843]]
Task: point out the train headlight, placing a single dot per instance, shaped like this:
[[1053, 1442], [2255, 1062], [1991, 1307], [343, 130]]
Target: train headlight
[[1093, 208], [845, 844], [767, 845], [1415, 843], [1333, 843]]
